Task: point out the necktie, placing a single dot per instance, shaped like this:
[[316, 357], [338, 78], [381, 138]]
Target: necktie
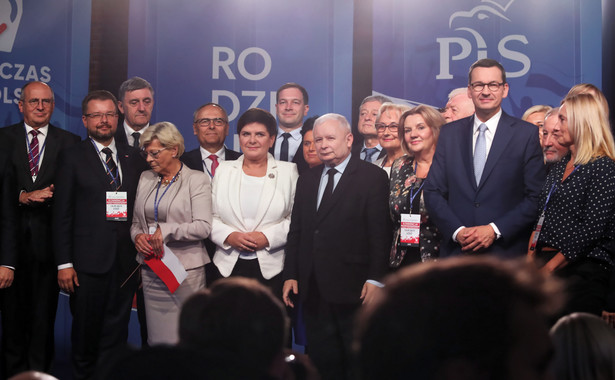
[[112, 169], [214, 163], [136, 136], [33, 156], [329, 188], [480, 152], [369, 154], [284, 147]]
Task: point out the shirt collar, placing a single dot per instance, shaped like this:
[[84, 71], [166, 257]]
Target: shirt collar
[[130, 131], [492, 124], [41, 130], [205, 153], [340, 168], [295, 134], [110, 146], [378, 147]]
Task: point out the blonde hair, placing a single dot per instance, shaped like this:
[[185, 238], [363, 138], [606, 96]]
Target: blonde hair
[[391, 107], [588, 88], [165, 132], [584, 348], [534, 109], [433, 119], [589, 128]]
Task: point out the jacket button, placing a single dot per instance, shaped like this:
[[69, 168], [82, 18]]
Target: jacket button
[[477, 205]]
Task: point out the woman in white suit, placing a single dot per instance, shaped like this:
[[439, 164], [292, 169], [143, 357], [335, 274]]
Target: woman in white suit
[[172, 208], [252, 203]]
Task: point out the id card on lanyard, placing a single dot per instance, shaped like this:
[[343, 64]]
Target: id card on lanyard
[[117, 206], [410, 228]]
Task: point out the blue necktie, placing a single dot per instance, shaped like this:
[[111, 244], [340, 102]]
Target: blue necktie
[[480, 152], [284, 147], [369, 154]]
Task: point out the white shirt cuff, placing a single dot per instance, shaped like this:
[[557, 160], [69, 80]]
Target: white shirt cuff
[[495, 229], [374, 282], [456, 232], [64, 266]]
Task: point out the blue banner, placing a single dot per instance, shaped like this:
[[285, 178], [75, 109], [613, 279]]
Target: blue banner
[[238, 53], [48, 41], [422, 51]]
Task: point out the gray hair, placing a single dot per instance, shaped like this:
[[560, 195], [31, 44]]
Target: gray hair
[[457, 91], [341, 120], [133, 84], [165, 132], [376, 98], [388, 107]]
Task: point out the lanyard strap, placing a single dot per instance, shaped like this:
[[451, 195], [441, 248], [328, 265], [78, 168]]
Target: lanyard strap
[[156, 199], [412, 195], [116, 178], [208, 172], [554, 188]]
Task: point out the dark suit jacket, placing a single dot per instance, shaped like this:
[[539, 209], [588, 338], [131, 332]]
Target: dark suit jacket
[[507, 194], [82, 235], [8, 208], [194, 160], [347, 241], [298, 159], [36, 218]]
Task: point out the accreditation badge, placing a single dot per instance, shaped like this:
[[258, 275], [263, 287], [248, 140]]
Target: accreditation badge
[[410, 230], [117, 206]]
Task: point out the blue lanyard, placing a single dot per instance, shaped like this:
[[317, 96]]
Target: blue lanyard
[[30, 156], [116, 178], [156, 200], [208, 172], [554, 188]]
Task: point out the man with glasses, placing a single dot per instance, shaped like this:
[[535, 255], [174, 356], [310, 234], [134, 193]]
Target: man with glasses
[[96, 188], [210, 127], [487, 172], [136, 102], [29, 304], [368, 148]]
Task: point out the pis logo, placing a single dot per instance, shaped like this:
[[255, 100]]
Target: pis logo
[[10, 16], [486, 10]]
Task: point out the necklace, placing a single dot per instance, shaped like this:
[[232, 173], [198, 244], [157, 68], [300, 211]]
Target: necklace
[[166, 182]]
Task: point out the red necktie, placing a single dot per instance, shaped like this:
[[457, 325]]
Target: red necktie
[[214, 163], [33, 153]]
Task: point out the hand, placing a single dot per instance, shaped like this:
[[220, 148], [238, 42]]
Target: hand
[[37, 196], [6, 277], [241, 241], [66, 278], [476, 238], [143, 246], [558, 261], [369, 293], [156, 242], [260, 239], [288, 286]]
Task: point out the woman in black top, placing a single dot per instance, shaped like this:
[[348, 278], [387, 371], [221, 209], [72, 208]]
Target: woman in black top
[[576, 231]]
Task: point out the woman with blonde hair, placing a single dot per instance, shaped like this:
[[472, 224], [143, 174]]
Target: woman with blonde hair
[[387, 126], [576, 226], [419, 129]]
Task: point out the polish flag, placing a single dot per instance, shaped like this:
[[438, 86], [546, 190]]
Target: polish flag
[[168, 269]]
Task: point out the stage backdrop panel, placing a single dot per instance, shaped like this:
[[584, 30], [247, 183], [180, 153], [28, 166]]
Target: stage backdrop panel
[[237, 53], [423, 49], [49, 41]]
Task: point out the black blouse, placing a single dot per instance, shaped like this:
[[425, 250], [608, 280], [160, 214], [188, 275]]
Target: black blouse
[[579, 217]]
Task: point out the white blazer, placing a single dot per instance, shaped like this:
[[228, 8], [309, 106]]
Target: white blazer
[[272, 218], [188, 219]]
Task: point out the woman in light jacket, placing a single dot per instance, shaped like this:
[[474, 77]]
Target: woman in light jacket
[[252, 203], [172, 208]]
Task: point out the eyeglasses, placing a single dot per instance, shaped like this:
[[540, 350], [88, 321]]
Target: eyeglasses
[[493, 86], [218, 122], [99, 116], [380, 127], [154, 153], [34, 102]]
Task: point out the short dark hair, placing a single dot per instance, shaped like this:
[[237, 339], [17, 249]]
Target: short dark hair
[[97, 95], [133, 84], [308, 125], [435, 313], [210, 104], [215, 319], [487, 62], [257, 115], [306, 99]]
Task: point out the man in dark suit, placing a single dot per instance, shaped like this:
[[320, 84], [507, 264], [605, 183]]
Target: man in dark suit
[[338, 243], [136, 102], [368, 148], [487, 172], [29, 306], [210, 128], [94, 252], [291, 107]]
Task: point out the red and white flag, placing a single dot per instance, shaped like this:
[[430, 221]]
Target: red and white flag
[[168, 269]]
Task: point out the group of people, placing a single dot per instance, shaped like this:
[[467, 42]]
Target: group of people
[[313, 213]]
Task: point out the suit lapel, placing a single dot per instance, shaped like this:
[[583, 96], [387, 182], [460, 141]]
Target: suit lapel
[[234, 190], [271, 180], [343, 184], [467, 153], [502, 137], [94, 161], [49, 154]]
